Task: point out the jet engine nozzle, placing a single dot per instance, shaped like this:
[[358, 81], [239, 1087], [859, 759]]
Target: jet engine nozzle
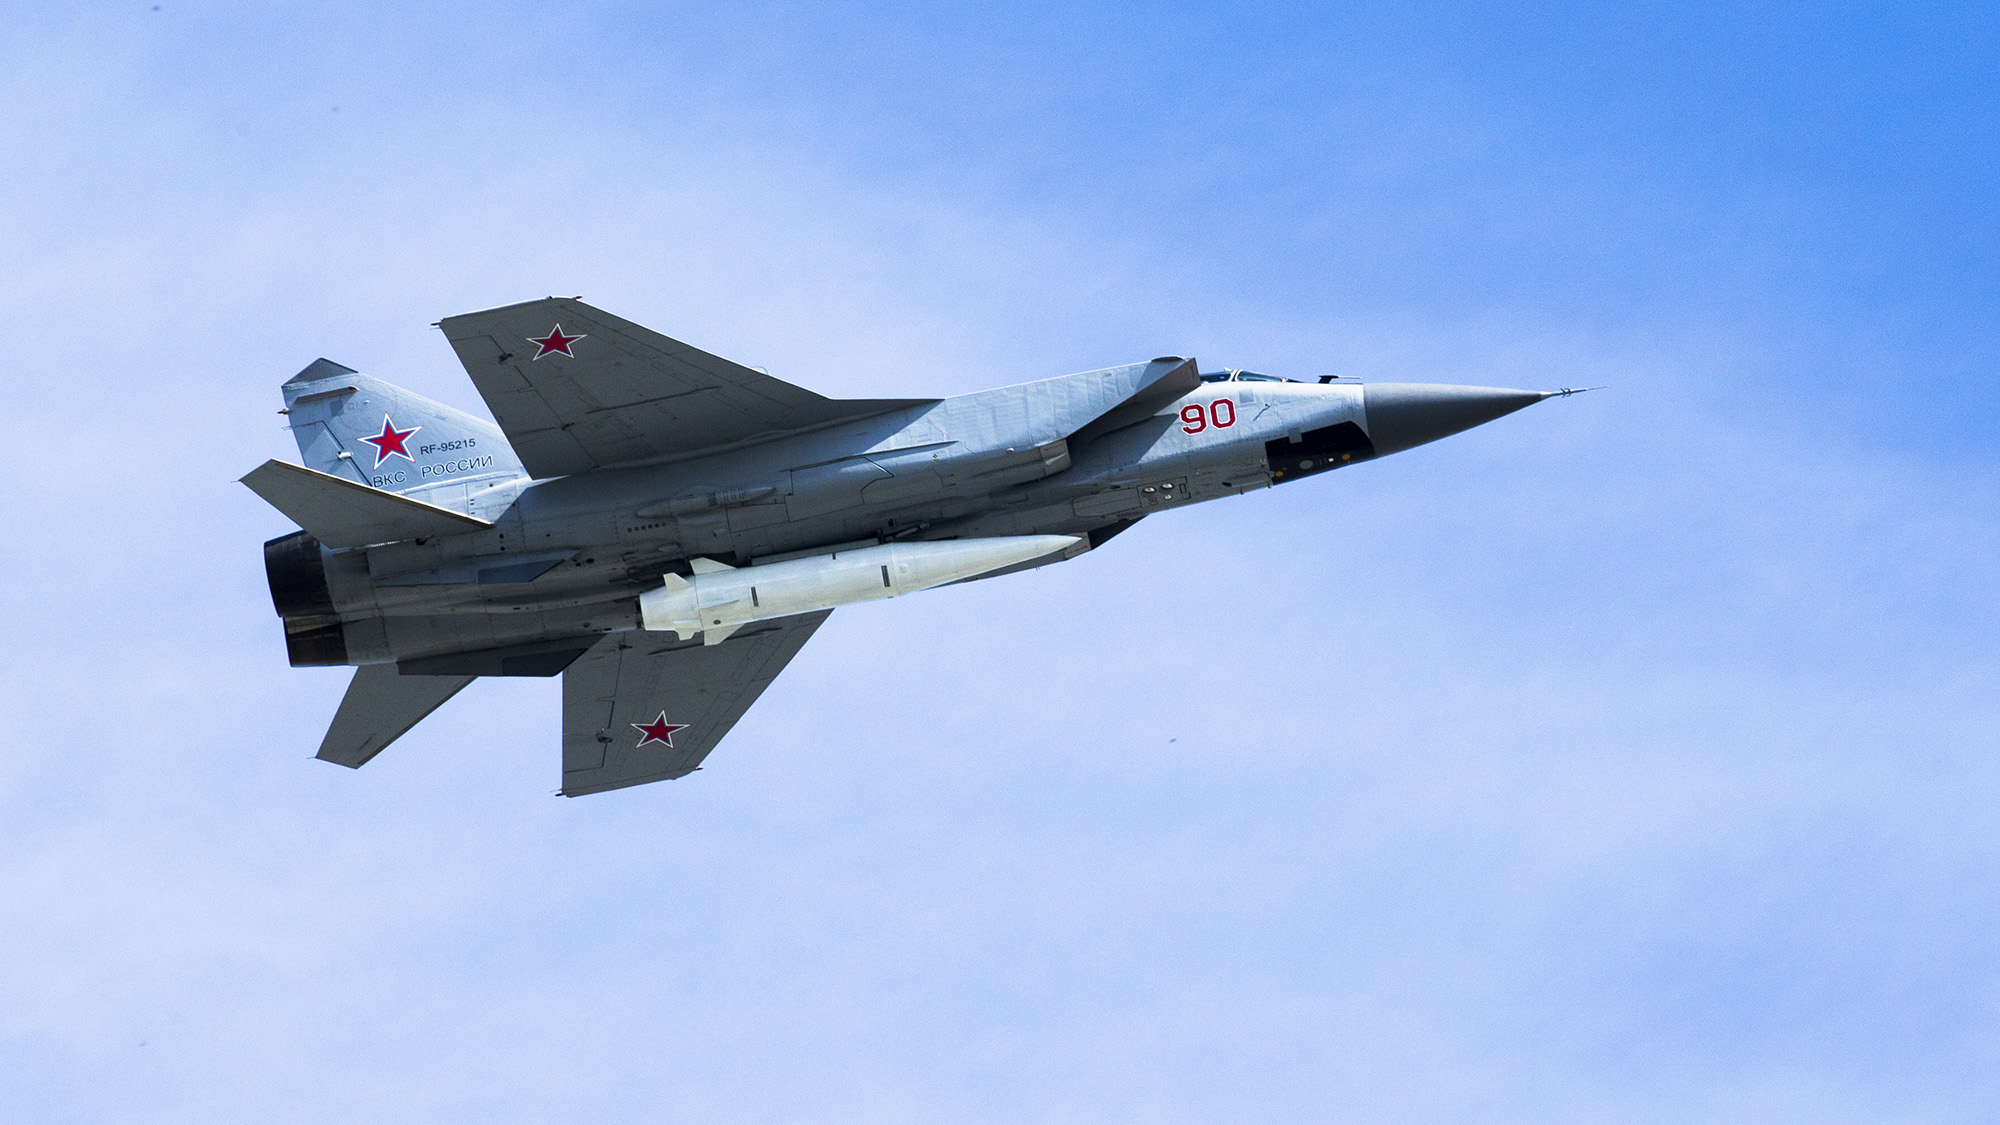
[[295, 567], [297, 576]]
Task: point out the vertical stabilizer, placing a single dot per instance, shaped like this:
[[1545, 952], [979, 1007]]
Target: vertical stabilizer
[[362, 429]]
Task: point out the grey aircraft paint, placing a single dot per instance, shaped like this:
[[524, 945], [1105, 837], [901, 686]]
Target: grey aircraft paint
[[438, 547]]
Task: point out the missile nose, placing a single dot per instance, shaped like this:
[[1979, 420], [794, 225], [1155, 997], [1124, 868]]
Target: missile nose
[[1404, 415]]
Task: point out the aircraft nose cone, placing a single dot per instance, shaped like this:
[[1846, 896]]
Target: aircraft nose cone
[[1404, 415]]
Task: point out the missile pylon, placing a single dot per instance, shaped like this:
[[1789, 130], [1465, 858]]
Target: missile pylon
[[720, 599]]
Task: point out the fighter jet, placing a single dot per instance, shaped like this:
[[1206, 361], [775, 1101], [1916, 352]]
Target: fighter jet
[[665, 528]]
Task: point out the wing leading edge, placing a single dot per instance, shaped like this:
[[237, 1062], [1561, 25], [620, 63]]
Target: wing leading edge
[[640, 707], [577, 389]]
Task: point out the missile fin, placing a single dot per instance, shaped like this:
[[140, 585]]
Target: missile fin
[[716, 634], [708, 566]]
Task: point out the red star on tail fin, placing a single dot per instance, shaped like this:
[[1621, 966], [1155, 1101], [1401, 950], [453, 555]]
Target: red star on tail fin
[[391, 442]]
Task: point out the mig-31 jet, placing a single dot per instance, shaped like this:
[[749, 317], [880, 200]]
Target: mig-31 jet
[[665, 528]]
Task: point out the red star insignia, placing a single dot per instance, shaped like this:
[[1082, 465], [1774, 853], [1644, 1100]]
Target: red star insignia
[[555, 343], [659, 730], [390, 442]]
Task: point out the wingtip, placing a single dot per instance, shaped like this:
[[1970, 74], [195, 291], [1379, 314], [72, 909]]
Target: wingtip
[[1565, 392]]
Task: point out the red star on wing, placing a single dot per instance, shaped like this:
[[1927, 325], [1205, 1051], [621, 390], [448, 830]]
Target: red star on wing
[[390, 442], [555, 343], [659, 730]]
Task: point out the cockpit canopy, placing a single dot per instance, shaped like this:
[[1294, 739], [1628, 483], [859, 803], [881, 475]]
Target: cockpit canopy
[[1238, 375]]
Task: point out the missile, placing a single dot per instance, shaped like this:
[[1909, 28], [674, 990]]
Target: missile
[[721, 599]]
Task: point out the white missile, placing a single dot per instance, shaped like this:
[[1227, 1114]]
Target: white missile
[[721, 599]]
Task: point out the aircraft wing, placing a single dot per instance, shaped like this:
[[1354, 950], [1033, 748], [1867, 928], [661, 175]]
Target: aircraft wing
[[642, 707], [577, 389]]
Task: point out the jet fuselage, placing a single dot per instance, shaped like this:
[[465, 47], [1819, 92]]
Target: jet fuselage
[[927, 472], [665, 528]]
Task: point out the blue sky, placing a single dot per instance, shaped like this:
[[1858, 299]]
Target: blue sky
[[1629, 759]]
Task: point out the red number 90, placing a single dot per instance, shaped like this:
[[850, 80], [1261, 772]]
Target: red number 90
[[1194, 419]]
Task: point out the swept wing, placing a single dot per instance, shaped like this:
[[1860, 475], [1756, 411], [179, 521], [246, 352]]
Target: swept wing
[[577, 389], [632, 679]]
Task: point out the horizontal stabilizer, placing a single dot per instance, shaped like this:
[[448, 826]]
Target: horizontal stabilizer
[[379, 707], [341, 513]]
